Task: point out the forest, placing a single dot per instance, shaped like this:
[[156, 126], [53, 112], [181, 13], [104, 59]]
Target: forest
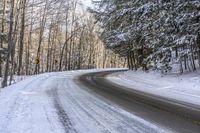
[[152, 34], [39, 36]]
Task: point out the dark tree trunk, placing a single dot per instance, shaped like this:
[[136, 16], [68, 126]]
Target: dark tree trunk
[[2, 31], [10, 41], [21, 44]]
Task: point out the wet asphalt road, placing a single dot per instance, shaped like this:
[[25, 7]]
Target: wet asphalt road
[[175, 115]]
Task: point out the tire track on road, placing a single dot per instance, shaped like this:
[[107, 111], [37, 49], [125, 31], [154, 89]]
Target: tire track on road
[[63, 117]]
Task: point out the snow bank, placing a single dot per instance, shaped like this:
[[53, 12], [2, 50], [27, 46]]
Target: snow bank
[[184, 87]]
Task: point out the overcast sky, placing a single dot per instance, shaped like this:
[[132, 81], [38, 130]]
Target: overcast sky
[[87, 2]]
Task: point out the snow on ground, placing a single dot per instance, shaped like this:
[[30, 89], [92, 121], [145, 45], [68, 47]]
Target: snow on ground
[[185, 87], [15, 79], [55, 103]]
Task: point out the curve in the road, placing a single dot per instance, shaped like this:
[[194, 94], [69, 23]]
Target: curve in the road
[[176, 115]]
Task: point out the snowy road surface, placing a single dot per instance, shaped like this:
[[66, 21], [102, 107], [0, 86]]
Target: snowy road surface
[[171, 113], [59, 103]]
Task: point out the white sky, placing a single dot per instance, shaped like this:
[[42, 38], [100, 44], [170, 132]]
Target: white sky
[[87, 2]]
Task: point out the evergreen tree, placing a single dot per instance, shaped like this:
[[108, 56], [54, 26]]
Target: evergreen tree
[[156, 33]]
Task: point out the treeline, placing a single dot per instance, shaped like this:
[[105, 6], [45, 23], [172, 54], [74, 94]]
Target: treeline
[[152, 34], [49, 35]]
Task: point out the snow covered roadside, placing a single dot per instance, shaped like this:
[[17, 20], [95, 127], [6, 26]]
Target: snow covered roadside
[[185, 88], [15, 79], [54, 103]]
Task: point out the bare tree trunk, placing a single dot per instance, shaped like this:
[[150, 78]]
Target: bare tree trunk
[[53, 60], [79, 50], [61, 56], [72, 33], [50, 59], [131, 60], [48, 48], [125, 63], [10, 41], [198, 46], [21, 44], [2, 31], [134, 61], [181, 66], [65, 47], [192, 58], [15, 36], [104, 58], [29, 43], [42, 26]]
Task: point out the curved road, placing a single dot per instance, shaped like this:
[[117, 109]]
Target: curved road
[[175, 115], [66, 102]]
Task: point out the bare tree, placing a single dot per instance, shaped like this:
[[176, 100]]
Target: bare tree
[[21, 42], [2, 33], [10, 42]]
